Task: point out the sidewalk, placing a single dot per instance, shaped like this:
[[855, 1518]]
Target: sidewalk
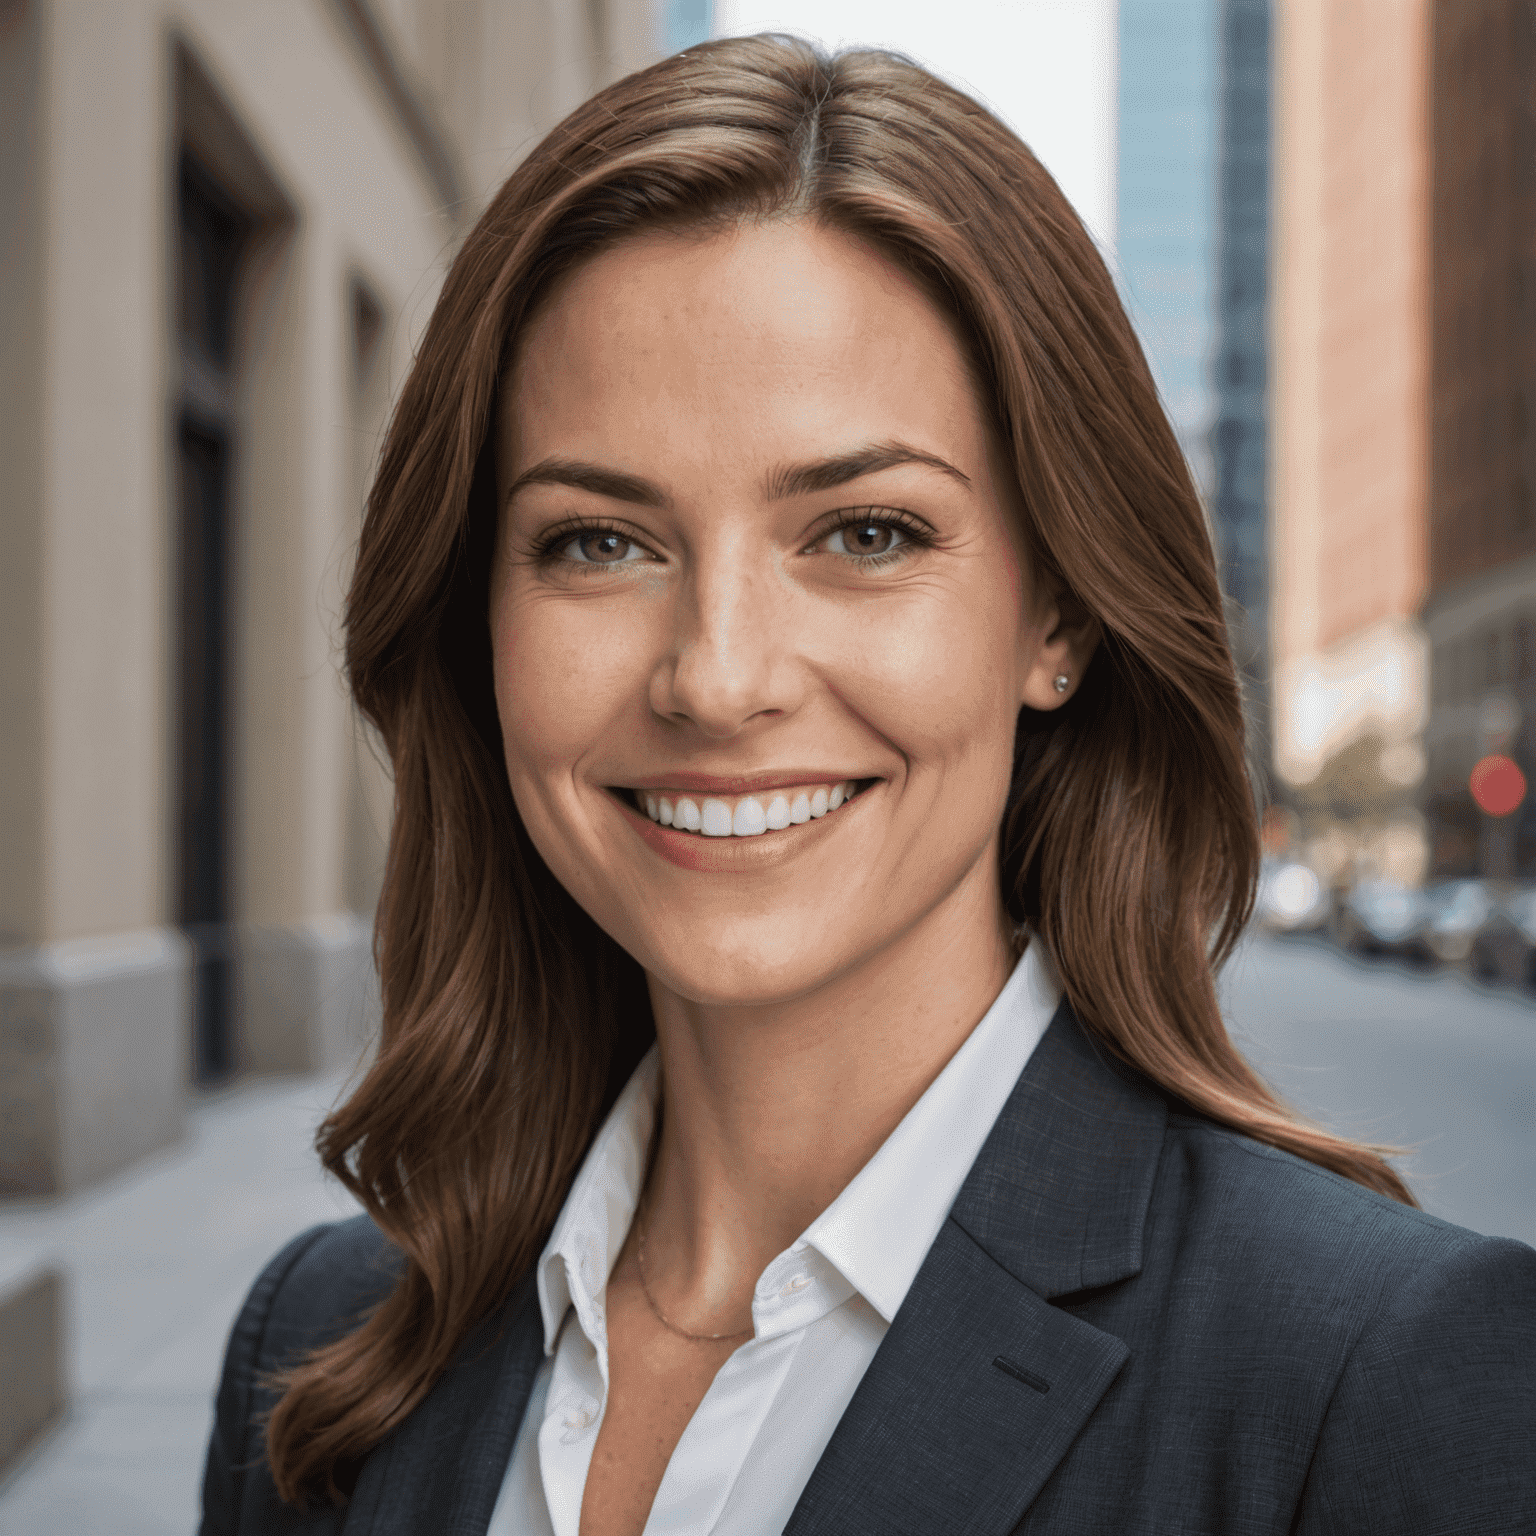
[[156, 1263]]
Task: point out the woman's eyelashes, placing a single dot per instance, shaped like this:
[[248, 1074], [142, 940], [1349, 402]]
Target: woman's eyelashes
[[865, 539], [592, 545], [873, 541], [871, 538]]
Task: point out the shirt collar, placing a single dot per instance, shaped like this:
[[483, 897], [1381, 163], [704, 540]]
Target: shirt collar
[[878, 1230], [594, 1221]]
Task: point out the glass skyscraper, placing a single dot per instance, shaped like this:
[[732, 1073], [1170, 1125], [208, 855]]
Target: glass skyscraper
[[1193, 256], [684, 23], [1240, 437], [1166, 202]]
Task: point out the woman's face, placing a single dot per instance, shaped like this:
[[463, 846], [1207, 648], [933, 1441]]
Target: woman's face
[[759, 577]]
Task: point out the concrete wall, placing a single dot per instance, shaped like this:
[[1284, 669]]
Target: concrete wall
[[361, 140], [92, 1065]]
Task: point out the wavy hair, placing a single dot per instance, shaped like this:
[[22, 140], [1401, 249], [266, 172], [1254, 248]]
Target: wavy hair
[[510, 1019]]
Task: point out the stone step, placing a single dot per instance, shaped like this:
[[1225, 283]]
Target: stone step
[[32, 1394]]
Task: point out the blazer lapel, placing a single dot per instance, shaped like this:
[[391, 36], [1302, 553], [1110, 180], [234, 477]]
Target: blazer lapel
[[980, 1386], [443, 1468], [965, 1409]]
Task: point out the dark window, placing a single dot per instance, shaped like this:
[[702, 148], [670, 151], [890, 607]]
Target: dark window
[[212, 237]]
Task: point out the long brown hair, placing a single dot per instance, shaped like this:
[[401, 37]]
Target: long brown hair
[[510, 1018]]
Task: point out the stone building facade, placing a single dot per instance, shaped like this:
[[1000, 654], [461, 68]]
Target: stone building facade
[[222, 227]]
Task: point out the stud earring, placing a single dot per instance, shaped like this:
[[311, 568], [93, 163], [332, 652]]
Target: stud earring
[[1063, 683]]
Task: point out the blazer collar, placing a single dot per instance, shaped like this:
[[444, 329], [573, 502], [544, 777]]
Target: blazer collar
[[980, 1386], [1059, 1195]]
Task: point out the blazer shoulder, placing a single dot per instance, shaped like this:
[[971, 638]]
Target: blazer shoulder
[[316, 1289], [1303, 1215], [321, 1286]]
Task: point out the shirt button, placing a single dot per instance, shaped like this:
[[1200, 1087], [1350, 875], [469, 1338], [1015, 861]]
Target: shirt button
[[793, 1284], [576, 1418]]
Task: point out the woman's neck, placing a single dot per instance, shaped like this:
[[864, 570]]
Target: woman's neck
[[771, 1109]]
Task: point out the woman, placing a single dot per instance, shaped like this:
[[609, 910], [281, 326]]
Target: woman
[[784, 602]]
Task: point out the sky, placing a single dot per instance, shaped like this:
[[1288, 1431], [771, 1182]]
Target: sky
[[1047, 67]]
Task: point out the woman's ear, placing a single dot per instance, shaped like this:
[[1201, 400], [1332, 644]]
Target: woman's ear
[[1065, 636]]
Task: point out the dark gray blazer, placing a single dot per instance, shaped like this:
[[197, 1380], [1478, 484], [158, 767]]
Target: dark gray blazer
[[1133, 1321]]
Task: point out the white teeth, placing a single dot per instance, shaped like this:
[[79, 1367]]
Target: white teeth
[[749, 819]]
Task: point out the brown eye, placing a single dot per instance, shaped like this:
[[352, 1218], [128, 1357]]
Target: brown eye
[[599, 548], [865, 539], [869, 539]]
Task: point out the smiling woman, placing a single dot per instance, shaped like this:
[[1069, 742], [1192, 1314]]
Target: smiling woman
[[802, 1102], [788, 568]]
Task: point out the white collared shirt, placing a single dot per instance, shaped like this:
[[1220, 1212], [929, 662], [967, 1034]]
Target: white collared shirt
[[819, 1311]]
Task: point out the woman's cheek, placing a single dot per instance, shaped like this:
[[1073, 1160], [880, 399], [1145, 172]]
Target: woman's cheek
[[937, 678], [563, 670]]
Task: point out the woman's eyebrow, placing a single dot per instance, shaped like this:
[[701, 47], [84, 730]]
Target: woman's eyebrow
[[791, 480], [828, 474], [584, 476]]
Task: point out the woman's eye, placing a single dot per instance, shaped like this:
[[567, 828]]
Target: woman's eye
[[599, 547], [865, 539]]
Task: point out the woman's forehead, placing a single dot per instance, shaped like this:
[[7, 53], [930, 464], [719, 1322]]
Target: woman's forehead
[[774, 330]]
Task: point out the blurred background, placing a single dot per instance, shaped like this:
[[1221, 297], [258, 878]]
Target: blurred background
[[223, 224]]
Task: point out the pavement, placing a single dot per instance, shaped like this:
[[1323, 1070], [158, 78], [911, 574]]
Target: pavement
[[157, 1260], [156, 1263]]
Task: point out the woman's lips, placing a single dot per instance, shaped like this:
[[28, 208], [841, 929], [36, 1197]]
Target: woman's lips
[[731, 852], [771, 810]]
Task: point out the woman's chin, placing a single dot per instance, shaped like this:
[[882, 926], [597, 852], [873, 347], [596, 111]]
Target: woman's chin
[[754, 971]]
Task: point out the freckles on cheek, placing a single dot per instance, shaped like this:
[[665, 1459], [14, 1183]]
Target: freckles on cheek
[[560, 679], [939, 683]]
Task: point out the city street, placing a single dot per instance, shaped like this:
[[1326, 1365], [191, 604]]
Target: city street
[[157, 1261], [1395, 1056]]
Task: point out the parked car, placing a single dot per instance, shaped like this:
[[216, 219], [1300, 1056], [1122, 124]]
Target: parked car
[[1505, 946], [1381, 917], [1459, 913], [1290, 899]]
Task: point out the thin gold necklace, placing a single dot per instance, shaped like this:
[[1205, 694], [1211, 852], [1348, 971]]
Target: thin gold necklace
[[661, 1317]]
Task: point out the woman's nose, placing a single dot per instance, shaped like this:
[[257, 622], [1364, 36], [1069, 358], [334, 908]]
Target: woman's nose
[[732, 655]]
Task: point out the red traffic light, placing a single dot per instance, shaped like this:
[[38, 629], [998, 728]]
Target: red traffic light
[[1497, 785]]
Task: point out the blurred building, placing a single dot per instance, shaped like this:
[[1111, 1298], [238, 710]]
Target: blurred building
[[1403, 546], [1480, 608], [1165, 188], [1193, 246], [684, 23], [1239, 502], [222, 226]]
